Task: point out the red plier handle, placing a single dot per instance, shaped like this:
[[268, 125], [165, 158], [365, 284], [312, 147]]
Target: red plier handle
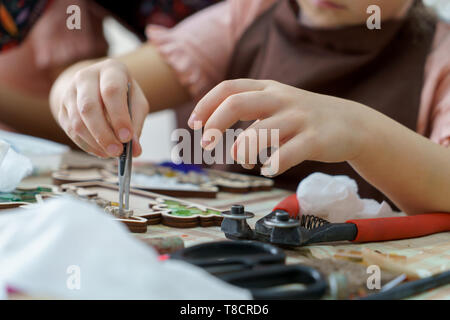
[[289, 204], [396, 228], [383, 229]]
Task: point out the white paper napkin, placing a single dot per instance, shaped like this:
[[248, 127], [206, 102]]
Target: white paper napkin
[[336, 199], [69, 249]]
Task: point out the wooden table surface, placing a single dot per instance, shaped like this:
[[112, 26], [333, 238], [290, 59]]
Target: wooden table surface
[[426, 255]]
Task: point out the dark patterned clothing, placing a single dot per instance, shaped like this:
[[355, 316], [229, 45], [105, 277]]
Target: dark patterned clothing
[[137, 14], [18, 16], [16, 19]]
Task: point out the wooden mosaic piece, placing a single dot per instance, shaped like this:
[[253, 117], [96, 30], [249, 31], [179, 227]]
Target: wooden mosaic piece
[[25, 196], [152, 207], [203, 185], [86, 174]]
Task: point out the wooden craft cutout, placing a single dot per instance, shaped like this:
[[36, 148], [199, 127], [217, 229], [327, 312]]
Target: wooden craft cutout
[[224, 180], [24, 196], [148, 208], [207, 185], [153, 208], [77, 174], [237, 182], [134, 224], [73, 175]]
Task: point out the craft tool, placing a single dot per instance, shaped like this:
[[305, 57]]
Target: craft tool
[[395, 282], [125, 163], [258, 267], [286, 226], [412, 288]]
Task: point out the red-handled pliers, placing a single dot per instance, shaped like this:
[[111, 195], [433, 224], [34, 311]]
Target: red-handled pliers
[[371, 230]]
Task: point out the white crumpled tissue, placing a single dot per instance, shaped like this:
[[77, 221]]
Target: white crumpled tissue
[[13, 167], [68, 249], [336, 199], [45, 155]]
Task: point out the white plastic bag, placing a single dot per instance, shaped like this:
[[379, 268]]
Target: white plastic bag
[[336, 199], [13, 167]]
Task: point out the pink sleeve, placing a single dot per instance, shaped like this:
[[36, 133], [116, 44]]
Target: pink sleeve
[[434, 116], [200, 47], [440, 117]]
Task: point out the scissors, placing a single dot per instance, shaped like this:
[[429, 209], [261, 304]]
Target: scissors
[[125, 162], [256, 266]]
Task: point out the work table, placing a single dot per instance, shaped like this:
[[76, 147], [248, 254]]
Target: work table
[[425, 255]]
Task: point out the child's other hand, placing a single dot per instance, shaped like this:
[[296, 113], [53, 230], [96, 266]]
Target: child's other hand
[[311, 126], [93, 110]]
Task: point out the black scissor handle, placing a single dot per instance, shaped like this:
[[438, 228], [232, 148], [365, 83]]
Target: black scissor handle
[[226, 256], [267, 283]]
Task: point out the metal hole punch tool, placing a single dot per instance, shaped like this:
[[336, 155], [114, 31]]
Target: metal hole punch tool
[[287, 227], [124, 172], [235, 224]]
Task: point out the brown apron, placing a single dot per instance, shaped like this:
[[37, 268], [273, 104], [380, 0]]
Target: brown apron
[[382, 69]]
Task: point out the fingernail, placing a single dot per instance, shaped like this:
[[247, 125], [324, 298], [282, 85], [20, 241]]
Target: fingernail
[[205, 142], [267, 171], [240, 158], [138, 145], [124, 135], [113, 149], [192, 120]]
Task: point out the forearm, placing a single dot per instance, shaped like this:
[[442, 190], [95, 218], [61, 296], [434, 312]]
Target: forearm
[[28, 114], [156, 78], [408, 168]]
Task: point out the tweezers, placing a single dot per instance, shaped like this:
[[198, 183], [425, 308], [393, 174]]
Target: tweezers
[[125, 162]]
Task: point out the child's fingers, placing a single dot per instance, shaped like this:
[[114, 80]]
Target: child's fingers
[[242, 106], [80, 142], [238, 143], [260, 136], [91, 147], [113, 88], [137, 149], [206, 106], [296, 150], [78, 132], [83, 145], [91, 111]]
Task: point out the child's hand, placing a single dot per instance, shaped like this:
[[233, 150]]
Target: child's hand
[[311, 126], [91, 106]]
